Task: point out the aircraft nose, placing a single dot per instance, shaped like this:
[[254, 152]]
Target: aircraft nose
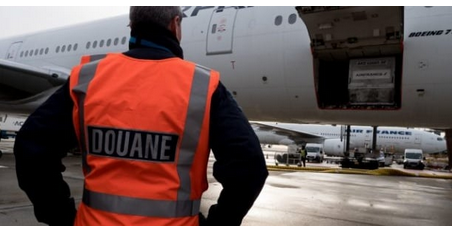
[[444, 145]]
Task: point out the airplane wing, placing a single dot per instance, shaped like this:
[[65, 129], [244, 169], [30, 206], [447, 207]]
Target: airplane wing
[[12, 74], [297, 136], [25, 85], [26, 105]]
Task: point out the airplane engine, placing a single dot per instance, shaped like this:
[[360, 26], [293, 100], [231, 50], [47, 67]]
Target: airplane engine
[[333, 147], [286, 142]]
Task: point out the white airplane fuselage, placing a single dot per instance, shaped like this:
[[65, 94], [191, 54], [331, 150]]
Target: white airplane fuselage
[[391, 139], [9, 125], [266, 62]]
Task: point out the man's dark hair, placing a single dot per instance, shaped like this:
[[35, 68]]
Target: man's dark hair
[[157, 15]]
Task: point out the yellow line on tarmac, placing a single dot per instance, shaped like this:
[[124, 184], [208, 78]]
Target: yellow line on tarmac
[[383, 172]]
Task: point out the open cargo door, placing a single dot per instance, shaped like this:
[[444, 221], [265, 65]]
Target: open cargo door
[[358, 55]]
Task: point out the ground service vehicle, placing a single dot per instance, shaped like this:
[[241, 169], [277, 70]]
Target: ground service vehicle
[[314, 152], [413, 158]]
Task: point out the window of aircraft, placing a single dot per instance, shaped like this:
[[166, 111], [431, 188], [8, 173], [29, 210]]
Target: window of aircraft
[[69, 47], [26, 53], [31, 53], [63, 48], [95, 44], [278, 20], [116, 41], [214, 28], [57, 49], [439, 139], [88, 45], [47, 51], [108, 42], [36, 51], [75, 47], [101, 43], [41, 51], [21, 54], [123, 40], [292, 18]]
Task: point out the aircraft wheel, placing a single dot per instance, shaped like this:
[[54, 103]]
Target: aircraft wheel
[[1, 153]]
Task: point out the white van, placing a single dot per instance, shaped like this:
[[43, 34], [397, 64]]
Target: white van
[[314, 152], [413, 158]]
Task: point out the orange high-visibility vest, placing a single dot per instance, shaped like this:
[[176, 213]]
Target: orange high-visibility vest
[[143, 128]]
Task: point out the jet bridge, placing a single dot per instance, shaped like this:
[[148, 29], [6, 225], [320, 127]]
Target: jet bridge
[[358, 55]]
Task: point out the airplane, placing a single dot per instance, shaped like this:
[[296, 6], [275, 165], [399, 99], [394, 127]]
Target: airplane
[[377, 66], [9, 126], [393, 139]]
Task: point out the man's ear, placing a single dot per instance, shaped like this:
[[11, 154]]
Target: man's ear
[[175, 27]]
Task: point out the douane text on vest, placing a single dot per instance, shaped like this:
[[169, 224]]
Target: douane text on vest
[[132, 144]]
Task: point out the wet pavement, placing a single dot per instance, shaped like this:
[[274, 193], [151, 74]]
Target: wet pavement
[[288, 198]]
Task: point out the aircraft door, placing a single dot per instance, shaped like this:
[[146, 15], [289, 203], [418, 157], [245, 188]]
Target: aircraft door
[[13, 51], [367, 141], [221, 31], [417, 139]]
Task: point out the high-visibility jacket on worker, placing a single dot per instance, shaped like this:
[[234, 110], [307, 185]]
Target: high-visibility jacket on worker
[[303, 153], [143, 127]]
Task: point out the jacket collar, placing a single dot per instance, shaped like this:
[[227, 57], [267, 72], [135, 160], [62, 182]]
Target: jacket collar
[[155, 37]]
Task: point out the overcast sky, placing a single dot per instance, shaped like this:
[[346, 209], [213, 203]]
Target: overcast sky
[[17, 20]]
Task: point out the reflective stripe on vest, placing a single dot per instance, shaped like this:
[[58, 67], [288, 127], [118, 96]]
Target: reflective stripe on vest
[[141, 207], [86, 75], [181, 207], [192, 128], [91, 58]]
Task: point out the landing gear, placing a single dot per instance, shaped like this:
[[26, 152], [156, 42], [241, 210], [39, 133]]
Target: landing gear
[[1, 154]]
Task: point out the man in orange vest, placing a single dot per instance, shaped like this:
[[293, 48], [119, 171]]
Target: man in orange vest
[[145, 121]]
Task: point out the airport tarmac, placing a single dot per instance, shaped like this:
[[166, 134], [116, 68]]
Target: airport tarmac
[[289, 197]]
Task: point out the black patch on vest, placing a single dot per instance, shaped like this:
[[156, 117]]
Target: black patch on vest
[[131, 144]]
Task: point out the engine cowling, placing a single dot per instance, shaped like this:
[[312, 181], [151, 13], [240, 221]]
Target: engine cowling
[[333, 147], [266, 137], [286, 142]]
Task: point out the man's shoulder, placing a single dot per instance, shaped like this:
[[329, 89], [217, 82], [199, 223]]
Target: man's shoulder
[[198, 65]]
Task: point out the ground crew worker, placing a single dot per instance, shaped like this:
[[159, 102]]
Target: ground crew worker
[[303, 156], [145, 121], [302, 152]]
